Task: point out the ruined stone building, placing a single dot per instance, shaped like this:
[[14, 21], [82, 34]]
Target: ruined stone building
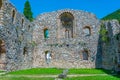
[[64, 39]]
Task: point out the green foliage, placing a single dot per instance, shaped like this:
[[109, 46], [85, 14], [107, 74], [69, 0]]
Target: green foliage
[[114, 15], [27, 11], [104, 33]]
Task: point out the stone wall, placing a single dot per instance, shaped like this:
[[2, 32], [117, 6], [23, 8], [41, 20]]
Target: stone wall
[[66, 52], [70, 38], [16, 32], [110, 50]]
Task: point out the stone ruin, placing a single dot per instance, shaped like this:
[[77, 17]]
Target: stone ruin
[[64, 39]]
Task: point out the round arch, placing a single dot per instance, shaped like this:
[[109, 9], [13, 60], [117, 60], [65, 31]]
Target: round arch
[[66, 22]]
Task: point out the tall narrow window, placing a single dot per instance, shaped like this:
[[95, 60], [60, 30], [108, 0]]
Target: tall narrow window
[[67, 35], [22, 22], [0, 4], [24, 50], [46, 33], [85, 55], [87, 31], [13, 15], [48, 56], [28, 27]]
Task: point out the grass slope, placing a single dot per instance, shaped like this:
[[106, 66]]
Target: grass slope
[[114, 15]]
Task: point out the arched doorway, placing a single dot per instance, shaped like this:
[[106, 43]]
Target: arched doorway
[[2, 55], [66, 21]]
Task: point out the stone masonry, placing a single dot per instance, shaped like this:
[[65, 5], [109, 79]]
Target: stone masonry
[[64, 39]]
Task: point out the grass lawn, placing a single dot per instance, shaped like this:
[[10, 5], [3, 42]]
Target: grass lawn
[[1, 71], [54, 71], [24, 78], [38, 71], [51, 71], [88, 71], [94, 78]]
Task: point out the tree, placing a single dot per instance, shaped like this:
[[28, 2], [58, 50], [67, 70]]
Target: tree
[[27, 11]]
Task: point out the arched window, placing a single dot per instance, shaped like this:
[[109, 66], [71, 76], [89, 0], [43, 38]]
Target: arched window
[[0, 4], [66, 19], [22, 22], [85, 54], [48, 56], [13, 15], [2, 47], [87, 31], [67, 35], [46, 33], [29, 27], [24, 51]]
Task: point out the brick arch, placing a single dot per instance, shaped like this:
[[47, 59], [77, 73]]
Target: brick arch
[[65, 11], [0, 4]]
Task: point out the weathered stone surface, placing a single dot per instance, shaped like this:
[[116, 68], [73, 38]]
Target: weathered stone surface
[[65, 39]]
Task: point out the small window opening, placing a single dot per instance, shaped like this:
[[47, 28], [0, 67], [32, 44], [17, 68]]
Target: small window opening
[[87, 31], [85, 55], [46, 33], [48, 57], [13, 15]]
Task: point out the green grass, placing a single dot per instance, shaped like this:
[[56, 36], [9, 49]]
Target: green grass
[[94, 78], [24, 78], [88, 71], [53, 71], [1, 71], [38, 71]]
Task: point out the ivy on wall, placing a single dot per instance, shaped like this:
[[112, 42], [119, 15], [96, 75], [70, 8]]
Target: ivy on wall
[[104, 34]]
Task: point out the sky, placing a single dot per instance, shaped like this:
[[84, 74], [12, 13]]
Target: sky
[[100, 8]]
